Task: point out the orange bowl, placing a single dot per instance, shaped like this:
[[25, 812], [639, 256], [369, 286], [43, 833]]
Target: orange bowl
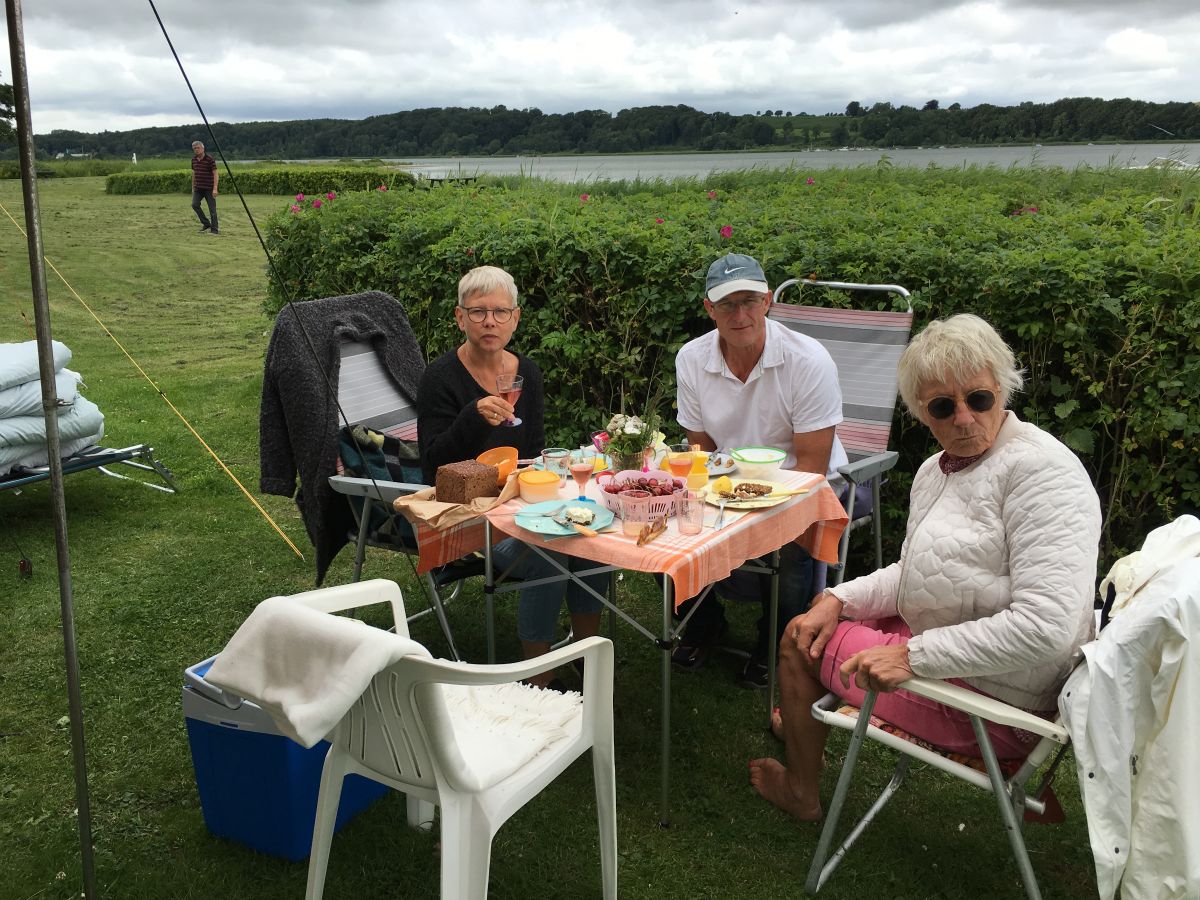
[[503, 458]]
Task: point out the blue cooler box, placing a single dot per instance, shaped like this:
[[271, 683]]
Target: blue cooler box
[[258, 787]]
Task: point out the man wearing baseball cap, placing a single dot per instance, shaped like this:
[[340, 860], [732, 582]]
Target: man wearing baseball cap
[[752, 382]]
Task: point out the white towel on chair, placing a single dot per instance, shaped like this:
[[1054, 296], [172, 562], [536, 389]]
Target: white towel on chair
[[499, 728], [305, 668]]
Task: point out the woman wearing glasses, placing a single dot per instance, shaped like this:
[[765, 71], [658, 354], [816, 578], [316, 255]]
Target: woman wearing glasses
[[460, 414], [993, 589]]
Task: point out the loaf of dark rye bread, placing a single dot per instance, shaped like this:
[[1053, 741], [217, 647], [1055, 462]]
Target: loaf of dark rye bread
[[462, 482]]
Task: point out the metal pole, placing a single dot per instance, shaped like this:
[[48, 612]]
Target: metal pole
[[41, 311]]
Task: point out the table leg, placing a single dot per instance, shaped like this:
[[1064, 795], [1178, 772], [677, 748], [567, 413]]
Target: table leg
[[664, 805], [489, 591], [773, 636]]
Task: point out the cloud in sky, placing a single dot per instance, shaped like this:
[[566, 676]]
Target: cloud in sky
[[97, 66]]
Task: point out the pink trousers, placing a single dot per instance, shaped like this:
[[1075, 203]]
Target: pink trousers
[[941, 726]]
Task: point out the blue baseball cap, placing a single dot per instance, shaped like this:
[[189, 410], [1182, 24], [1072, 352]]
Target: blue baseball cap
[[734, 272]]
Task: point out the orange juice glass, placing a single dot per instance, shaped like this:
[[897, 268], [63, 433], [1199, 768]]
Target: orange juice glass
[[680, 460]]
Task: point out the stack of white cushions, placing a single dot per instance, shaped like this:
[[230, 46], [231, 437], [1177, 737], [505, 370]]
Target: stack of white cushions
[[22, 422]]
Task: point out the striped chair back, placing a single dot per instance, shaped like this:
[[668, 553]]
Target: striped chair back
[[370, 397], [866, 346]]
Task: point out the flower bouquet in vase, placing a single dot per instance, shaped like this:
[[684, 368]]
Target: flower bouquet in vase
[[630, 441]]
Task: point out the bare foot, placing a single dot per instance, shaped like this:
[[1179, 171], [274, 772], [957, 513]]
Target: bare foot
[[770, 778]]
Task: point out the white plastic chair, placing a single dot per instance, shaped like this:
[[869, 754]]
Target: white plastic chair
[[403, 733]]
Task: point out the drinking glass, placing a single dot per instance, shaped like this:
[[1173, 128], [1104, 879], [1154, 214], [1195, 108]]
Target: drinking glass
[[558, 461], [582, 466], [680, 460], [509, 387], [689, 511], [635, 511]]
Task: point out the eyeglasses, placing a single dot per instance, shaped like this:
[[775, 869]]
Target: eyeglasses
[[478, 313], [729, 307], [977, 401]]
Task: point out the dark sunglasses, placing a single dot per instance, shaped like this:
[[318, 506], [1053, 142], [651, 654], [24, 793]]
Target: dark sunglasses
[[977, 401]]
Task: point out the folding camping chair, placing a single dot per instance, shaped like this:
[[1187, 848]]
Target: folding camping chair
[[866, 347], [369, 397], [1008, 787], [138, 457], [1136, 663]]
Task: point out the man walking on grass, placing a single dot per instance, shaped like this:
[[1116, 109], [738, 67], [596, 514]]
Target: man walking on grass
[[204, 187]]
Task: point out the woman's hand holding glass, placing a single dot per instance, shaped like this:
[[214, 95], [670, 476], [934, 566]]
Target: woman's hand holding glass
[[509, 388], [494, 410]]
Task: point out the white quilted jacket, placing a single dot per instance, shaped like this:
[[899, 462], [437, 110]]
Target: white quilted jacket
[[998, 569]]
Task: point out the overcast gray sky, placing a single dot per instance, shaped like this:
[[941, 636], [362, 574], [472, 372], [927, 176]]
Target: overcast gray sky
[[104, 64]]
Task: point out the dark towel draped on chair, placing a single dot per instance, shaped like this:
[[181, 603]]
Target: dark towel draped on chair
[[298, 418]]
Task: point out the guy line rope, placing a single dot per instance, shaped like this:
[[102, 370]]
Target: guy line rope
[[162, 394]]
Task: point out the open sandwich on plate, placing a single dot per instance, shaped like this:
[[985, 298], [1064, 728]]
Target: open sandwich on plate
[[747, 490]]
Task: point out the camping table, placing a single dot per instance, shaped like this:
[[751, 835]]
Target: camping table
[[692, 564]]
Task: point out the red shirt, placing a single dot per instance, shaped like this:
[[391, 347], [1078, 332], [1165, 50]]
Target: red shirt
[[204, 172]]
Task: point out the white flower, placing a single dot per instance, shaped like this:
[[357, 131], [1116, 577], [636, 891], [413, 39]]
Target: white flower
[[633, 426]]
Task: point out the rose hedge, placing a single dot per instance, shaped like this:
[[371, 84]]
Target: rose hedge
[[290, 180], [1093, 276]]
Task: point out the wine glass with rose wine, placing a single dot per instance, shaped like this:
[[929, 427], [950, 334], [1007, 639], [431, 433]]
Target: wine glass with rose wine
[[582, 467], [509, 387]]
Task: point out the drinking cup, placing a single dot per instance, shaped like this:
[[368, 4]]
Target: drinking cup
[[635, 511], [558, 461], [689, 511], [582, 465], [679, 459]]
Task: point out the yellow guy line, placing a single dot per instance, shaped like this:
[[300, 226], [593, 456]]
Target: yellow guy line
[[166, 400]]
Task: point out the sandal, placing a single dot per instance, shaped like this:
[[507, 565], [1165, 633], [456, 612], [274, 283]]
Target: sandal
[[690, 658], [691, 654]]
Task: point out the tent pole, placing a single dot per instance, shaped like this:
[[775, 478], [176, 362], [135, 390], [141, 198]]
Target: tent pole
[[41, 310]]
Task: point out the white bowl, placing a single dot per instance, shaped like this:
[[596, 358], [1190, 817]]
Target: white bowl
[[758, 462]]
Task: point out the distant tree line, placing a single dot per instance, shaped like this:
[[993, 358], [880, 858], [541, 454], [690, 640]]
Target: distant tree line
[[475, 131]]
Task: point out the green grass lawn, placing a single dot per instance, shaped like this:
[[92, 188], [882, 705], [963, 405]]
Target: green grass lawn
[[161, 582]]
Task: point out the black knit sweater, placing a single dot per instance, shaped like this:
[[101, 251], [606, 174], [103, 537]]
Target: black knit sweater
[[298, 418], [449, 426]]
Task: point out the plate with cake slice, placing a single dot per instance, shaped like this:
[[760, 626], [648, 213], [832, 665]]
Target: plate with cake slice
[[540, 518]]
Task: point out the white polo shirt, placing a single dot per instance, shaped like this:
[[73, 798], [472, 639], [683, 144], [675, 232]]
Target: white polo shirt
[[793, 390]]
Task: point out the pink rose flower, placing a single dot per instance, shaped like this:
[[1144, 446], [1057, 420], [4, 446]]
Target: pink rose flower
[[712, 195], [726, 231], [659, 221], [382, 187], [331, 196], [316, 204], [299, 198], [809, 181], [295, 208], [584, 198]]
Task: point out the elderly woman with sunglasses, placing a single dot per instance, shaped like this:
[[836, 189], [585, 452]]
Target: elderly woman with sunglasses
[[993, 589]]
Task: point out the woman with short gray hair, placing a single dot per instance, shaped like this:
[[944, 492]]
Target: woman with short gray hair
[[994, 585]]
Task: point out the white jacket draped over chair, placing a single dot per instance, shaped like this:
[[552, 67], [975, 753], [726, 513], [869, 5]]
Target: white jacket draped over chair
[[1133, 711]]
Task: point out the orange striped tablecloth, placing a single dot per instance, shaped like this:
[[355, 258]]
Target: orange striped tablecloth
[[438, 547], [815, 520]]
